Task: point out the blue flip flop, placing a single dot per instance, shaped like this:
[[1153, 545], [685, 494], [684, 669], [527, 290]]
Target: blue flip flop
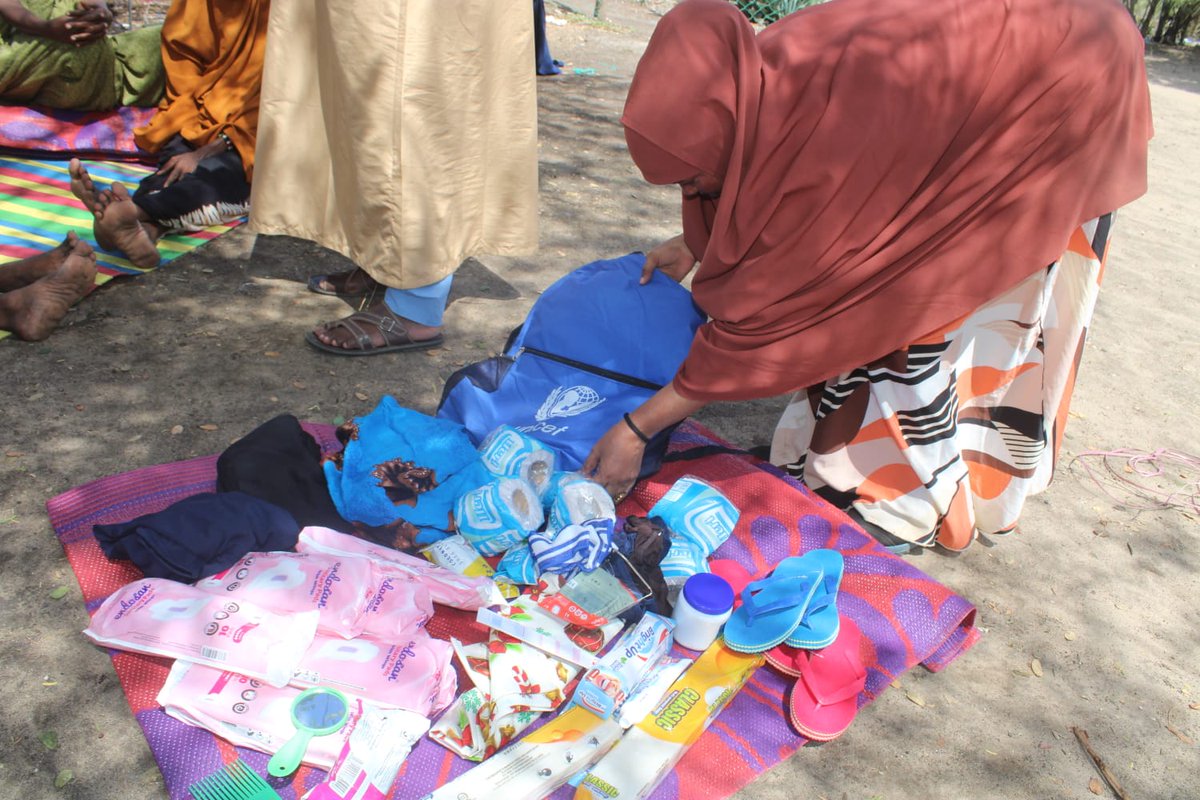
[[771, 609], [819, 627]]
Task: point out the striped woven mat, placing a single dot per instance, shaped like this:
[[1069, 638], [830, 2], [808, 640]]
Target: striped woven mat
[[37, 210]]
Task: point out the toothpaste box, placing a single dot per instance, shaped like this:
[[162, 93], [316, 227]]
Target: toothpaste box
[[650, 749], [538, 764], [618, 672]]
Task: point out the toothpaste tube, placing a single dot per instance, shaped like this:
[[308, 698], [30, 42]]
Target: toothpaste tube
[[649, 750], [651, 690], [605, 686]]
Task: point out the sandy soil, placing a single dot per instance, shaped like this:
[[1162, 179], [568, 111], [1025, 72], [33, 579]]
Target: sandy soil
[[1102, 597]]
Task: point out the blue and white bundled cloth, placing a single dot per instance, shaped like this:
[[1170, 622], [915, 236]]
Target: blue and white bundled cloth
[[582, 546]]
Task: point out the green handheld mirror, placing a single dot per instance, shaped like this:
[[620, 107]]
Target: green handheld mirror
[[319, 711]]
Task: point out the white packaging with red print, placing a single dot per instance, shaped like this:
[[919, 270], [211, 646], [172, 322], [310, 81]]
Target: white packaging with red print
[[414, 674], [160, 617], [336, 586], [396, 609], [445, 587], [242, 711]]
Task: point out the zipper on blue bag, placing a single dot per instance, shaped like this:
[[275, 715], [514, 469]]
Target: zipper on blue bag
[[600, 371]]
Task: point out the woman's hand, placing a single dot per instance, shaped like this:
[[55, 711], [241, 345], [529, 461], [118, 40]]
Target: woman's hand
[[87, 22], [672, 258], [179, 166], [616, 460]]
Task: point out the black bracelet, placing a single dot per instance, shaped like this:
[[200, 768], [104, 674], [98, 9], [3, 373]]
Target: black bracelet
[[636, 431], [224, 138]]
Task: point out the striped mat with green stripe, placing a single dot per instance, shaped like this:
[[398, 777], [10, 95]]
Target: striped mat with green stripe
[[37, 210]]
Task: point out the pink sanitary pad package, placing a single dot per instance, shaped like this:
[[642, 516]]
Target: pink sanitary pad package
[[336, 586], [445, 587], [241, 710], [417, 674], [161, 617], [396, 609]]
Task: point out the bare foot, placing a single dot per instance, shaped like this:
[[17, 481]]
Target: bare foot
[[16, 274], [118, 220], [83, 188], [32, 313]]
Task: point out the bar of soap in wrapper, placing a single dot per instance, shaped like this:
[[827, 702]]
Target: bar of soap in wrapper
[[650, 749]]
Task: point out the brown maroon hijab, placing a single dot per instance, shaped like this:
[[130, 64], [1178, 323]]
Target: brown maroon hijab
[[888, 167]]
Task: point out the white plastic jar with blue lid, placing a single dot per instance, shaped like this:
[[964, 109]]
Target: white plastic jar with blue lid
[[701, 609]]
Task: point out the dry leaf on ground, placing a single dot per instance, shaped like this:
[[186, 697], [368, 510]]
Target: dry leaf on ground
[[176, 430], [915, 698], [1095, 786], [362, 396], [208, 426], [1036, 667], [1183, 737]]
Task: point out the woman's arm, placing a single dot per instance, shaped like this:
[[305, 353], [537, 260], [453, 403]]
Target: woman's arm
[[616, 459]]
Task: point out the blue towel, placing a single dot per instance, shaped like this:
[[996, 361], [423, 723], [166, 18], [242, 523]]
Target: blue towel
[[400, 464]]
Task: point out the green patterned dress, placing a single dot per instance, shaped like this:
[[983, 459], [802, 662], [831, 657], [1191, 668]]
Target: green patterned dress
[[121, 70]]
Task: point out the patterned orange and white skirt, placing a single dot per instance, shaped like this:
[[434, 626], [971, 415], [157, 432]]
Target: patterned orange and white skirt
[[948, 436]]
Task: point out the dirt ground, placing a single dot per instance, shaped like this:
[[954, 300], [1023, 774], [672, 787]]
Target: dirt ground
[[1102, 597]]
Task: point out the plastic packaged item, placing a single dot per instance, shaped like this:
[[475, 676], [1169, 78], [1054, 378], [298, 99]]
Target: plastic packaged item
[[557, 481], [396, 608], [335, 586], [523, 619], [160, 617], [647, 694], [701, 609], [605, 686], [498, 515], [470, 728], [579, 501], [243, 711], [697, 510], [511, 454], [450, 587], [539, 763], [367, 766], [701, 519], [416, 675], [650, 749]]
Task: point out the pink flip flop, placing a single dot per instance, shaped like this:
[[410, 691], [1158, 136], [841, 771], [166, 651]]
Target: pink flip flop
[[824, 700]]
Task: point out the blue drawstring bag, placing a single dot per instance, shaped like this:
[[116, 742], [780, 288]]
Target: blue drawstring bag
[[595, 345]]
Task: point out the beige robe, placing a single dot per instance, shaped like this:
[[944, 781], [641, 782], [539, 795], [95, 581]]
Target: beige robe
[[401, 134]]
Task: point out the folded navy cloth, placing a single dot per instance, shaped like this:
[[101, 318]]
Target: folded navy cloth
[[199, 536], [280, 463]]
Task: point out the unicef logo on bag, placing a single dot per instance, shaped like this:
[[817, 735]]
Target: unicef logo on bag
[[568, 402]]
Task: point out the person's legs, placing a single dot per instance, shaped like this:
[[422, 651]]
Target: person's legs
[[34, 311], [17, 274], [404, 319]]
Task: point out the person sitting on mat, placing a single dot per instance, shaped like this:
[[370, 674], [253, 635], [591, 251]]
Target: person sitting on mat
[[900, 211], [58, 54], [406, 202], [203, 134], [36, 292]]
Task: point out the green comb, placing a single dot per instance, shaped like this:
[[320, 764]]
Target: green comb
[[235, 782]]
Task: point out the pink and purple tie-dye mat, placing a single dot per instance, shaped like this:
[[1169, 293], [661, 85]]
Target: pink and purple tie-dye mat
[[907, 618], [50, 133]]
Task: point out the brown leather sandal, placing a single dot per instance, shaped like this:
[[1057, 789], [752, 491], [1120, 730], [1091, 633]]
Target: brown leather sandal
[[387, 325]]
